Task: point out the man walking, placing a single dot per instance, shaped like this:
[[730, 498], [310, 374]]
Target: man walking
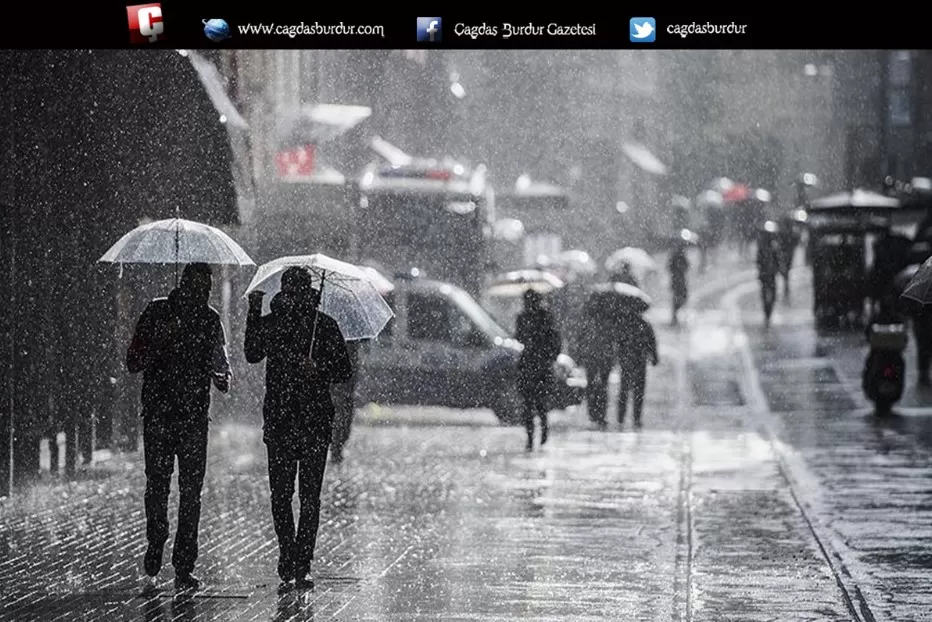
[[180, 347], [638, 344], [305, 353]]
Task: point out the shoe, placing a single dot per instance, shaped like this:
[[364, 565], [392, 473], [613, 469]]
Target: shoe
[[637, 424], [153, 560], [186, 582], [543, 437], [285, 586], [305, 582], [149, 586]]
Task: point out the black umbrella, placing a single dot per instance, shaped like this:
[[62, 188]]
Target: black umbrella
[[612, 299]]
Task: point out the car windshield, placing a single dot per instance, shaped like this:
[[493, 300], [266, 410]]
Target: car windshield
[[479, 316]]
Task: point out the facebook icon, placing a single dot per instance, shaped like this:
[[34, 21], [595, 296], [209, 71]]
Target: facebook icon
[[429, 29]]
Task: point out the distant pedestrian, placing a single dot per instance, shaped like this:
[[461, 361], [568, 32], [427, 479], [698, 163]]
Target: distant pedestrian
[[297, 411], [537, 331], [597, 356], [637, 346], [678, 265], [180, 347]]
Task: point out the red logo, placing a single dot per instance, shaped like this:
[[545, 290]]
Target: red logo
[[145, 23]]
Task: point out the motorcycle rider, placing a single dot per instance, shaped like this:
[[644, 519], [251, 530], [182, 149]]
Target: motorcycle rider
[[877, 357]]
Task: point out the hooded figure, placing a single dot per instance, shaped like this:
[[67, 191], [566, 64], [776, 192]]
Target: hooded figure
[[298, 410], [537, 331], [180, 347]]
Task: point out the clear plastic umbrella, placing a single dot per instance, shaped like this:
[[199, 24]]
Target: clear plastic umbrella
[[349, 293], [638, 258], [177, 241]]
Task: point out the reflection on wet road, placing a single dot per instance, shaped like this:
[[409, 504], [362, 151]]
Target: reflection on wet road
[[751, 493]]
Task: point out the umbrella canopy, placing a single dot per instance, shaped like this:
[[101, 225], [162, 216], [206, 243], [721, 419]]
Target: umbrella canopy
[[348, 293], [514, 284], [710, 198], [632, 256], [612, 299], [577, 260], [175, 241]]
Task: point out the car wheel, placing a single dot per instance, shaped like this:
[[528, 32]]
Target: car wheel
[[508, 404]]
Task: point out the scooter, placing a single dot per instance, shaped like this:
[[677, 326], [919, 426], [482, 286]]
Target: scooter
[[885, 370]]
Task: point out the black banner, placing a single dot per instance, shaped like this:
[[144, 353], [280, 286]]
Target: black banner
[[176, 24]]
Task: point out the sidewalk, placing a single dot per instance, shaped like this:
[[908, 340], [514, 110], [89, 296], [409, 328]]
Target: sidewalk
[[868, 478]]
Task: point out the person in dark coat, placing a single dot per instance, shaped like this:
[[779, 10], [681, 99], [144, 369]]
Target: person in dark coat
[[180, 347], [536, 330], [637, 345], [768, 266], [598, 356], [298, 409], [344, 403], [678, 265]]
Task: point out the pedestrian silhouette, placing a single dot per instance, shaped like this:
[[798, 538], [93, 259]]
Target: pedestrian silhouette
[[298, 410], [637, 345], [536, 330], [180, 347], [678, 265], [598, 355], [768, 266]]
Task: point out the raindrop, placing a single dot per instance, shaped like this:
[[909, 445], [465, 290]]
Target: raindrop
[[223, 118], [811, 70]]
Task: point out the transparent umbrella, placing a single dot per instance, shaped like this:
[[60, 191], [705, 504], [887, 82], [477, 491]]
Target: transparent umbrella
[[177, 241], [349, 293]]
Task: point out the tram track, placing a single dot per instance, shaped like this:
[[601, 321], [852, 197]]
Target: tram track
[[790, 469]]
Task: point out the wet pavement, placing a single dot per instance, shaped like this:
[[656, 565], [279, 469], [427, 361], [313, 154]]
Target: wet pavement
[[755, 491]]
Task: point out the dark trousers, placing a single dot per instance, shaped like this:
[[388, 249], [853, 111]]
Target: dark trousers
[[296, 548], [164, 441], [633, 381], [535, 404], [597, 393]]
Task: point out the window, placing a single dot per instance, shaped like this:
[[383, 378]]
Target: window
[[429, 318], [436, 318]]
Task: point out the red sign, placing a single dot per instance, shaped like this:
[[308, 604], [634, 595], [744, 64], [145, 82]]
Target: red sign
[[145, 23], [296, 162]]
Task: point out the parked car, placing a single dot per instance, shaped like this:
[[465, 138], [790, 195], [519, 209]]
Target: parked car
[[444, 349]]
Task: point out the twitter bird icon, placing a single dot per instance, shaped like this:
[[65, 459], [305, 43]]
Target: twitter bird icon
[[643, 30]]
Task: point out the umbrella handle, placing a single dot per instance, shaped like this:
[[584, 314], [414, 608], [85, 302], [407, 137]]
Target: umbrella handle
[[310, 353]]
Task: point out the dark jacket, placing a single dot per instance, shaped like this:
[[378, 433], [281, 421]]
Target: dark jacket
[[298, 408], [537, 331], [177, 345], [637, 343]]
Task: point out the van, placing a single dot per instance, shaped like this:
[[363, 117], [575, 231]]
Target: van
[[443, 349]]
